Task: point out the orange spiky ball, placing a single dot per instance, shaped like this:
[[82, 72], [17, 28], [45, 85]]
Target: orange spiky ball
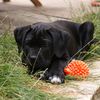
[[77, 69]]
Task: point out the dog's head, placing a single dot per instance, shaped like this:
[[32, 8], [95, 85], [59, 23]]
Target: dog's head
[[40, 45]]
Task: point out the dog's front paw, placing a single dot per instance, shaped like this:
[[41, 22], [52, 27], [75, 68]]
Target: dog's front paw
[[56, 79]]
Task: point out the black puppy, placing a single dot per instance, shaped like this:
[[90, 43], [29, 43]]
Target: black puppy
[[51, 45]]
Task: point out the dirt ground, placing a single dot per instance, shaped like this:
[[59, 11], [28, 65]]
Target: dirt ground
[[25, 13], [16, 13]]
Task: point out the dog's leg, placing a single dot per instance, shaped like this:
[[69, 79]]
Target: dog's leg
[[56, 72], [6, 0]]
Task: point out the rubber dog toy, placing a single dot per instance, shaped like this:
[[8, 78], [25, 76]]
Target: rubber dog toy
[[77, 69]]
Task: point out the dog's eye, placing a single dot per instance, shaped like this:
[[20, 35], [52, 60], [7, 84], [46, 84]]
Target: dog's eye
[[44, 43], [38, 43], [29, 43]]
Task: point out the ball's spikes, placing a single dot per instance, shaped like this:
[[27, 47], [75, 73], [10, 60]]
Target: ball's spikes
[[77, 69]]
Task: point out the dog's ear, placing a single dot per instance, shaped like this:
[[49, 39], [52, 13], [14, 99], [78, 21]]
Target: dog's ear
[[20, 34], [60, 42], [86, 31]]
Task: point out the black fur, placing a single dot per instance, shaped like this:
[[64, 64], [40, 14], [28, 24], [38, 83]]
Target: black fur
[[51, 45]]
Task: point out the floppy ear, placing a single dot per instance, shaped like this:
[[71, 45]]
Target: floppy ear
[[86, 31], [60, 42], [20, 34]]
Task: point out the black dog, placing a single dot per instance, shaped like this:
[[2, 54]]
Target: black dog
[[51, 45]]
